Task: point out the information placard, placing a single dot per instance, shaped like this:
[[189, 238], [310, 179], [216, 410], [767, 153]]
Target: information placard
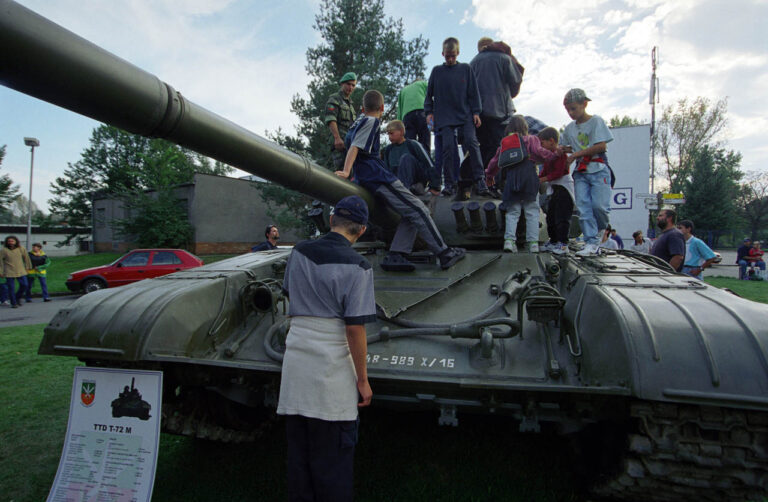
[[110, 450]]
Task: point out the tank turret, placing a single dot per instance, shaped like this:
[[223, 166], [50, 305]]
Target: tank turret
[[664, 375]]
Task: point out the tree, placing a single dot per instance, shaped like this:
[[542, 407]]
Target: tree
[[624, 121], [711, 191], [117, 162], [156, 220], [356, 36], [8, 191], [753, 202], [683, 130]]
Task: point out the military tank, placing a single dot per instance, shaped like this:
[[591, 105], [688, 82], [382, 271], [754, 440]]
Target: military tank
[[130, 404], [663, 376]]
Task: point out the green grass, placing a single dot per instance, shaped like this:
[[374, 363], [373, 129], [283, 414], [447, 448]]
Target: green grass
[[400, 456], [757, 291]]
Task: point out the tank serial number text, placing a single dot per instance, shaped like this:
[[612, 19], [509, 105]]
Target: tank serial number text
[[421, 362]]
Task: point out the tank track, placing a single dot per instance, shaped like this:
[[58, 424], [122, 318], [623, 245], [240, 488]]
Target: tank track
[[684, 452], [199, 423]]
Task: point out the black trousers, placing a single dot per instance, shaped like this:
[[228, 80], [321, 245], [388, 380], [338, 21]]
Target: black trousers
[[320, 459], [489, 135], [416, 128], [559, 214]]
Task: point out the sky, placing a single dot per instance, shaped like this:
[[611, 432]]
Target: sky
[[245, 60]]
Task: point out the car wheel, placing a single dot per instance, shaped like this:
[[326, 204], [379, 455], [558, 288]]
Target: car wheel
[[92, 285]]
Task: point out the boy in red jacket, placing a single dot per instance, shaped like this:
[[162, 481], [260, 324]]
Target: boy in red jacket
[[559, 186]]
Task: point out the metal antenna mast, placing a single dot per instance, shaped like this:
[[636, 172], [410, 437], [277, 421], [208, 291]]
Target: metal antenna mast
[[653, 99]]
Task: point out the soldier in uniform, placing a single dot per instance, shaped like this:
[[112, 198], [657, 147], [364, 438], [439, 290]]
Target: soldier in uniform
[[339, 115]]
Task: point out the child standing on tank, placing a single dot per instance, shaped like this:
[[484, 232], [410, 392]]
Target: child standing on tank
[[559, 187], [521, 188], [588, 136], [362, 143]]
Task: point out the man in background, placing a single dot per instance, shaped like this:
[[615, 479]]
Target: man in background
[[273, 235]]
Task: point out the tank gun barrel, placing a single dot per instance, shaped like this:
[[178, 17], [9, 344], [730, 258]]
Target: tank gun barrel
[[46, 61]]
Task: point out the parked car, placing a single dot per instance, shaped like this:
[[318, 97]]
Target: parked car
[[137, 265]]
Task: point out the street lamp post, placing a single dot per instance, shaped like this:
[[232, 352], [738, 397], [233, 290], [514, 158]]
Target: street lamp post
[[32, 143]]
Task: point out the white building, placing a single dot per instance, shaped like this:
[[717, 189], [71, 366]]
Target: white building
[[629, 157]]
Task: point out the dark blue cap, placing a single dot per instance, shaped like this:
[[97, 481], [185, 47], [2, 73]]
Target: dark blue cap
[[352, 208]]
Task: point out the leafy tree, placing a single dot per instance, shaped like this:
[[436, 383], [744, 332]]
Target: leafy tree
[[156, 220], [117, 162], [624, 121], [711, 191], [753, 202], [8, 191], [683, 130], [356, 36]]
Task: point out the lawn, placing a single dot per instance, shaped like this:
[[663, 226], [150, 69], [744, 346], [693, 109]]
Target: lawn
[[752, 290], [401, 456]]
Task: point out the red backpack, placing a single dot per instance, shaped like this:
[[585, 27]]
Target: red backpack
[[513, 151]]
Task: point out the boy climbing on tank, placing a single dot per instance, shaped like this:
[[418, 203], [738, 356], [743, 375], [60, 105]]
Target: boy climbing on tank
[[362, 144]]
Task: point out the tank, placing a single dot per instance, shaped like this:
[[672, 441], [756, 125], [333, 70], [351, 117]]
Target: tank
[[659, 379], [130, 404]]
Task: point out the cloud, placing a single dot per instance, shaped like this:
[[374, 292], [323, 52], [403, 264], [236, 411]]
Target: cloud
[[707, 48]]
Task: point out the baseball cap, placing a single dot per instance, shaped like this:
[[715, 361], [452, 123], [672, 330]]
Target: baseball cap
[[747, 239], [352, 208], [575, 96], [350, 75]]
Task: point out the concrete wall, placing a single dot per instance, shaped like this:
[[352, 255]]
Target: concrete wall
[[629, 156], [229, 216]]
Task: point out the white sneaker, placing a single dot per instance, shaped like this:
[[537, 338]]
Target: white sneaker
[[589, 250], [533, 247], [548, 247], [560, 249], [509, 246]]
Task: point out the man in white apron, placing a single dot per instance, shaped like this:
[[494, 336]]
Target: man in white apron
[[324, 376]]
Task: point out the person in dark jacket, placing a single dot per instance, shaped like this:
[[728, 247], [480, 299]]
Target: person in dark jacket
[[498, 81], [407, 159], [453, 103], [273, 235]]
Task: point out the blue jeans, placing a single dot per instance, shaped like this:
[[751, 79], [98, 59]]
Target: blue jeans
[[11, 283], [593, 200], [43, 286], [743, 267], [531, 211], [3, 291]]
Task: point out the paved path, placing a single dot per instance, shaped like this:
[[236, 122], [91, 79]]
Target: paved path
[[37, 312]]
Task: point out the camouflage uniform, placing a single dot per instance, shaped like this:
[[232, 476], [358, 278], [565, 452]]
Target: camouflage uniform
[[339, 109]]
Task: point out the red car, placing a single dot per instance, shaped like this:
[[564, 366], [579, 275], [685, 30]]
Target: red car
[[137, 265]]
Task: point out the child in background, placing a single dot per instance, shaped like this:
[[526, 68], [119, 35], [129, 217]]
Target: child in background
[[521, 188], [559, 188], [588, 136]]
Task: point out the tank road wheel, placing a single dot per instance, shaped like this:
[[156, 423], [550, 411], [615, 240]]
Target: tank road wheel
[[689, 452], [92, 285]]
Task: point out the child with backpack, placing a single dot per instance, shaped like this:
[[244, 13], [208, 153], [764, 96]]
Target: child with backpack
[[517, 157]]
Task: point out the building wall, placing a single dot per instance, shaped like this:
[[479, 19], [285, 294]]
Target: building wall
[[229, 216], [49, 238], [629, 157]]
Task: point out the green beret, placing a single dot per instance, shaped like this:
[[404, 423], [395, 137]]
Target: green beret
[[350, 75]]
